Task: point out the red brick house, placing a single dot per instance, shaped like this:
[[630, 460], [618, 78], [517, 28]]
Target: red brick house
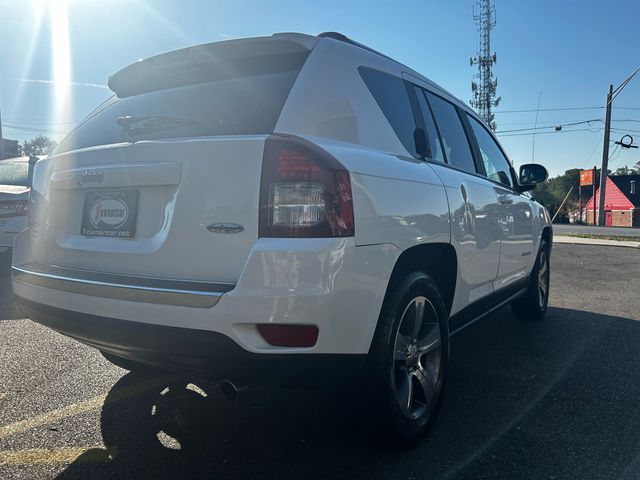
[[621, 202]]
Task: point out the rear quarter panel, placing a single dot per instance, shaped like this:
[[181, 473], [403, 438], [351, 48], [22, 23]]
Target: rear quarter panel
[[397, 199]]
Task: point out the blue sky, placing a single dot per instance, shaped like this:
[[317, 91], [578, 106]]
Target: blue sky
[[569, 51]]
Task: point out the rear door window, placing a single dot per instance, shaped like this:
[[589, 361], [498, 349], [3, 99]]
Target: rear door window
[[391, 96], [454, 139]]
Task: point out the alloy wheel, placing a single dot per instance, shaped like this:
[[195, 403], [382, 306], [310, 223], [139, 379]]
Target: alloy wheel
[[417, 358], [543, 279]]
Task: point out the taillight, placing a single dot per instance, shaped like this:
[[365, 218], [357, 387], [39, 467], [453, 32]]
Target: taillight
[[304, 191], [13, 208]]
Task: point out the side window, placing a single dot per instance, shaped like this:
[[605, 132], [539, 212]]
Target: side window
[[391, 95], [454, 139], [430, 126], [495, 163]]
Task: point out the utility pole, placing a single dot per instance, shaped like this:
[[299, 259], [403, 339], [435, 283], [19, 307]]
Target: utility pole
[[605, 158], [484, 84], [605, 147], [1, 139]]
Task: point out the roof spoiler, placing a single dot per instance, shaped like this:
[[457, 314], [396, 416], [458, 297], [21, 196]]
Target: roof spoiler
[[204, 63]]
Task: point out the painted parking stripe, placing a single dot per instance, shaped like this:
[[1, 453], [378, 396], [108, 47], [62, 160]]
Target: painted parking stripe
[[51, 416], [81, 407], [46, 456]]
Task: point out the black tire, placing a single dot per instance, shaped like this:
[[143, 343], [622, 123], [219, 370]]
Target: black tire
[[393, 376], [533, 305], [129, 364]]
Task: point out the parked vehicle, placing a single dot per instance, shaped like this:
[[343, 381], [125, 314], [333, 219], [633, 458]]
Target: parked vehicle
[[283, 209], [15, 182]]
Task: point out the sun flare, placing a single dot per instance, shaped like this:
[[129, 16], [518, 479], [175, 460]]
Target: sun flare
[[61, 57]]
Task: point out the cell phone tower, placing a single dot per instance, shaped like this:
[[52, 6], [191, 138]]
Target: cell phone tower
[[484, 84]]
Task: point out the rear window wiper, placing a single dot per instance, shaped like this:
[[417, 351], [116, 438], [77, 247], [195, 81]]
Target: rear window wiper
[[134, 125]]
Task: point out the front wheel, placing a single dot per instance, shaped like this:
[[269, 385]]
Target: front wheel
[[533, 305], [408, 359]]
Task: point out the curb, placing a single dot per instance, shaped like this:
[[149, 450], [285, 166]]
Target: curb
[[595, 241]]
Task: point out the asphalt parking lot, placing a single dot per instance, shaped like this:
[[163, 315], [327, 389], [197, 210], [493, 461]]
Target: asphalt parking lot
[[554, 399]]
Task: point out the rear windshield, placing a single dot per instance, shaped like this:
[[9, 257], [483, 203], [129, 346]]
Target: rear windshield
[[15, 173], [249, 102]]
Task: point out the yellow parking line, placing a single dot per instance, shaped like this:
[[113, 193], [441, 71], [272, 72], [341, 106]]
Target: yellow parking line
[[77, 408], [39, 456], [51, 416]]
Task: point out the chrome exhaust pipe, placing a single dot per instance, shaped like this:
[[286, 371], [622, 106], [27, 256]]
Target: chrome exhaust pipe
[[232, 392]]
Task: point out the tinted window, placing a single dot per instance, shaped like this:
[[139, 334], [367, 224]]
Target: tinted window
[[392, 97], [454, 139], [430, 127], [495, 163], [241, 105]]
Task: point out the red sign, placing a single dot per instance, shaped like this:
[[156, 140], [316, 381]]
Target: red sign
[[586, 177]]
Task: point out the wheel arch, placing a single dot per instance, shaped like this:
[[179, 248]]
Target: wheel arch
[[436, 259]]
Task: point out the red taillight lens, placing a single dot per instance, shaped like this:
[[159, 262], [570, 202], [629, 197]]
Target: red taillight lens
[[280, 335], [13, 208], [304, 191]]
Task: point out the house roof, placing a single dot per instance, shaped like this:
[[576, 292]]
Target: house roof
[[623, 182], [618, 193]]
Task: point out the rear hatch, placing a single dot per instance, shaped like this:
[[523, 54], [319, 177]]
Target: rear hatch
[[163, 179]]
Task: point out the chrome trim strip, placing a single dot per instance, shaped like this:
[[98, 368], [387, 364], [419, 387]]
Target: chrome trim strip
[[186, 297]]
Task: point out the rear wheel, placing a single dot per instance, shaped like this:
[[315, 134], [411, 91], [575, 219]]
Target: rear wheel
[[408, 359], [533, 305]]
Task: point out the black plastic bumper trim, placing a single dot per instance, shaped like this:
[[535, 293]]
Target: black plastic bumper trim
[[200, 353]]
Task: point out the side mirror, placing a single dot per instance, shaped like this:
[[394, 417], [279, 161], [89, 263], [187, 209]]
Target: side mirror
[[530, 175], [420, 139]]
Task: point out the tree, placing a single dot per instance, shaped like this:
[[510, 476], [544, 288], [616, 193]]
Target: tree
[[40, 145], [627, 170], [551, 193]]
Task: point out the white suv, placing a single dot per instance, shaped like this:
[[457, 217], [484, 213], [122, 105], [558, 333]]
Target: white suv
[[283, 209]]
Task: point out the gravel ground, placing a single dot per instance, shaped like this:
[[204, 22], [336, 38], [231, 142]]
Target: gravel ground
[[553, 399]]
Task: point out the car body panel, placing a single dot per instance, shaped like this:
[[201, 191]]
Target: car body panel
[[326, 282], [337, 284], [184, 186]]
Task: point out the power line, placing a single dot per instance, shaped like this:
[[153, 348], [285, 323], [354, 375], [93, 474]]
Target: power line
[[547, 133], [560, 122], [625, 130], [30, 129], [592, 152], [39, 121], [562, 109], [548, 109], [555, 126]]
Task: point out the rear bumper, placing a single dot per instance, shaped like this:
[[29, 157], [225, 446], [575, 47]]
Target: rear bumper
[[122, 287], [199, 353], [328, 283]]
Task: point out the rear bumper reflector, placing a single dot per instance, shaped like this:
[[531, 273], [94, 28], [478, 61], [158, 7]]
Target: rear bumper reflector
[[283, 335], [122, 287]]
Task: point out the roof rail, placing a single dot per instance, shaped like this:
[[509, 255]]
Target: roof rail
[[343, 38]]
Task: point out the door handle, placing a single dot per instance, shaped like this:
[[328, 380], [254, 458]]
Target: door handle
[[505, 200]]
